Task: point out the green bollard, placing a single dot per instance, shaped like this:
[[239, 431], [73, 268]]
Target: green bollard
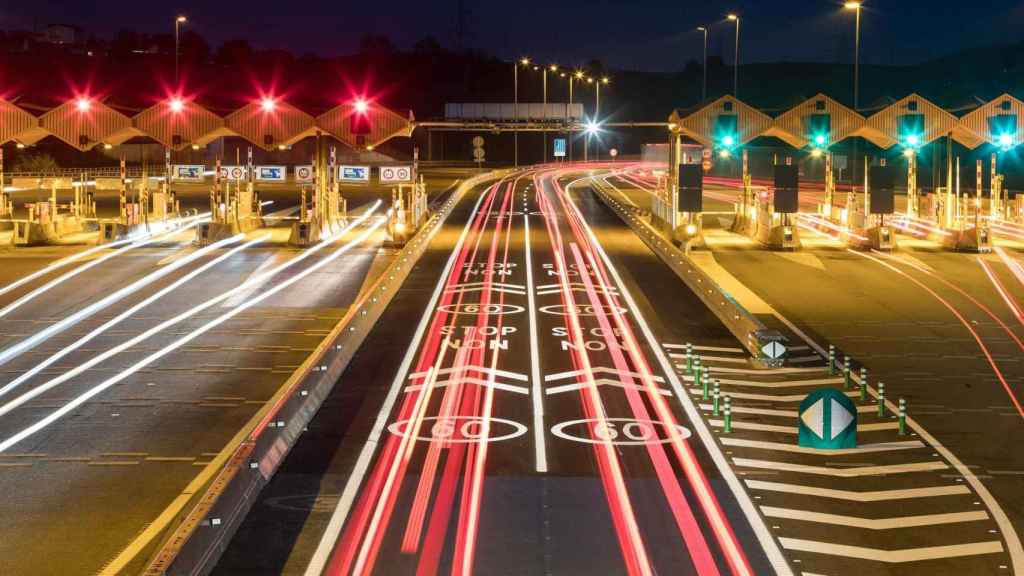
[[863, 384], [689, 357], [846, 372], [903, 417], [705, 381], [728, 415], [715, 394], [881, 399], [831, 360], [696, 373]]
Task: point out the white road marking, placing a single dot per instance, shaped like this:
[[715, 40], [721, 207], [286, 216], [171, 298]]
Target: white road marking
[[602, 382], [710, 358], [243, 295], [782, 384], [892, 556], [330, 536], [600, 370], [804, 359], [767, 397], [766, 372], [705, 348], [740, 409], [785, 447], [741, 425], [854, 496], [875, 523], [488, 383], [480, 369], [842, 472], [539, 442]]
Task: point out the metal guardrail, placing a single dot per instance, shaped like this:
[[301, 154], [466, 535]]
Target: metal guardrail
[[205, 525], [730, 312]]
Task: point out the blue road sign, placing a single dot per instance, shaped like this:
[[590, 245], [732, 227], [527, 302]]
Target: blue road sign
[[559, 147], [355, 173]]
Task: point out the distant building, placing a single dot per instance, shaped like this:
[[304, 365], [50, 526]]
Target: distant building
[[64, 34]]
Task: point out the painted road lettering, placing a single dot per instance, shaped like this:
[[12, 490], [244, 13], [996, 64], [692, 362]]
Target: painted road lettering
[[618, 431], [461, 429]]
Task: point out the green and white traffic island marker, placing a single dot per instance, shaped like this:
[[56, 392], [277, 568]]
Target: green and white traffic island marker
[[827, 421]]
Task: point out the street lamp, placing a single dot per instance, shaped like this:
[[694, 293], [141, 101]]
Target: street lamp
[[515, 106], [552, 68], [177, 31], [736, 57], [704, 83], [855, 6]]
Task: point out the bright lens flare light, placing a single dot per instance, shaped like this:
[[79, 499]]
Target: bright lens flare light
[[1005, 140], [83, 104], [362, 106], [176, 105], [819, 140], [913, 140], [268, 104], [592, 128], [728, 141]]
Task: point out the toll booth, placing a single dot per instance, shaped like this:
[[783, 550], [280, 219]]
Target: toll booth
[[232, 210], [49, 221], [777, 209], [869, 228]]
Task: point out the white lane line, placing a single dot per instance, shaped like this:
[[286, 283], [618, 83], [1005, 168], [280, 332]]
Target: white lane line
[[539, 442], [330, 536], [784, 447], [746, 505], [19, 347], [40, 366], [741, 425], [602, 382], [480, 369], [854, 496], [892, 556], [467, 290], [102, 386], [600, 370], [458, 287], [705, 348], [875, 523], [782, 384], [767, 397], [740, 409], [842, 472], [804, 359]]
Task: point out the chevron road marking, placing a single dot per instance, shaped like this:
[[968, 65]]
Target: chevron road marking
[[480, 369], [783, 447], [478, 381], [842, 472], [873, 427], [767, 397], [678, 356], [601, 370], [782, 413], [855, 496], [601, 382], [892, 556], [876, 524], [783, 384], [705, 348]]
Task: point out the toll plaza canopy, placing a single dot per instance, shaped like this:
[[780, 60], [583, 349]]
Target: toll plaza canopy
[[85, 121], [821, 121]]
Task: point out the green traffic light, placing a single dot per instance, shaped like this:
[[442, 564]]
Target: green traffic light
[[819, 140], [728, 141]]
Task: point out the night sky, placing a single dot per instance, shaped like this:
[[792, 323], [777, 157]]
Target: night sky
[[638, 34]]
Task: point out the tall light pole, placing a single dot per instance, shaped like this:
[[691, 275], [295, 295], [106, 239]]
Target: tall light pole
[[177, 32], [597, 109], [515, 106], [578, 75], [855, 6], [704, 84], [736, 57], [553, 68]]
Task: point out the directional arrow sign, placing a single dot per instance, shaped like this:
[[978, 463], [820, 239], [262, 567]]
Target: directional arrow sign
[[828, 420], [773, 350]]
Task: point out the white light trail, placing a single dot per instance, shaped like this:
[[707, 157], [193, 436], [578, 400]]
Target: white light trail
[[53, 382], [92, 392], [68, 321], [134, 243]]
